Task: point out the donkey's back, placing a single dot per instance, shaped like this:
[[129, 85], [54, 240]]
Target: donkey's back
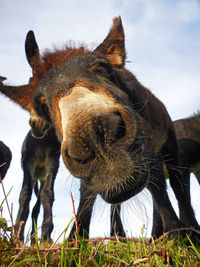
[[188, 135]]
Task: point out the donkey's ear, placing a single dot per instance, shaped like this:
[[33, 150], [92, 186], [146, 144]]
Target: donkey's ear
[[32, 50], [2, 79], [113, 47], [21, 95]]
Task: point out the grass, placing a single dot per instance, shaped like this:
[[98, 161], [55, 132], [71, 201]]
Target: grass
[[99, 252], [96, 252]]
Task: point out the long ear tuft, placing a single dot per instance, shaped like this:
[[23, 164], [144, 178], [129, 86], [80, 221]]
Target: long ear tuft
[[113, 46], [32, 50]]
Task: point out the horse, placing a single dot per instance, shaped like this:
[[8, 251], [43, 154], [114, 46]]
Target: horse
[[5, 159], [114, 133], [40, 163]]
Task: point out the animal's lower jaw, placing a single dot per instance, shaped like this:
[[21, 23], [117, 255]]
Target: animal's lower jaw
[[122, 196], [122, 192]]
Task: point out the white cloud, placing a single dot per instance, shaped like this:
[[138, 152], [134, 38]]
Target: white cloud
[[189, 11]]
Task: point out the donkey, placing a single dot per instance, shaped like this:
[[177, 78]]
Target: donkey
[[5, 159], [40, 162], [114, 133]]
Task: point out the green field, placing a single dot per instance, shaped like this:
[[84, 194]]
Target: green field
[[97, 252]]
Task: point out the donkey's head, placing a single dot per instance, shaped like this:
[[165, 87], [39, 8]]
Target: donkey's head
[[103, 140]]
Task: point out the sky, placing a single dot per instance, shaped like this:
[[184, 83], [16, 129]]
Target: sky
[[163, 50]]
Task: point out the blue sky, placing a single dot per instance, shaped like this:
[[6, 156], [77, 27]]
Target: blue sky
[[163, 47]]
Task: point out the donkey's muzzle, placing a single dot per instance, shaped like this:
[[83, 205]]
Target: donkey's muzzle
[[104, 131]]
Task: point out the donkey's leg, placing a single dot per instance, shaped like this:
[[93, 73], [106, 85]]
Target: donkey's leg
[[185, 182], [157, 188], [179, 183], [47, 198], [115, 221], [157, 229], [24, 200], [84, 212], [47, 194], [197, 175], [34, 215]]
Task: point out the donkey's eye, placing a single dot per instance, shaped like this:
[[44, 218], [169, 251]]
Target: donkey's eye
[[101, 67], [45, 112], [100, 70], [41, 107]]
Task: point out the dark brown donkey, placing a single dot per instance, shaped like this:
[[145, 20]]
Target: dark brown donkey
[[114, 133], [5, 159], [40, 162], [5, 155]]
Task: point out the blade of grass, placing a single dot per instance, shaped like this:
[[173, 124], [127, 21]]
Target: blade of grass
[[1, 180], [5, 197], [193, 246], [37, 245], [75, 218], [62, 263], [158, 261], [18, 264], [84, 247], [122, 249]]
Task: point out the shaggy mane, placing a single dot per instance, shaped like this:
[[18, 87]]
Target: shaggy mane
[[194, 115], [52, 58]]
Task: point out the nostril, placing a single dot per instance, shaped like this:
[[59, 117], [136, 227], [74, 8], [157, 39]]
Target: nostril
[[110, 128], [85, 160], [81, 161], [121, 128], [77, 150], [100, 132]]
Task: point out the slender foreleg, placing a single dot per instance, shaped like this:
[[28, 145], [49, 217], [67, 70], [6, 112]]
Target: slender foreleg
[[115, 221], [180, 182], [47, 194], [84, 213], [162, 204], [35, 213], [24, 200]]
